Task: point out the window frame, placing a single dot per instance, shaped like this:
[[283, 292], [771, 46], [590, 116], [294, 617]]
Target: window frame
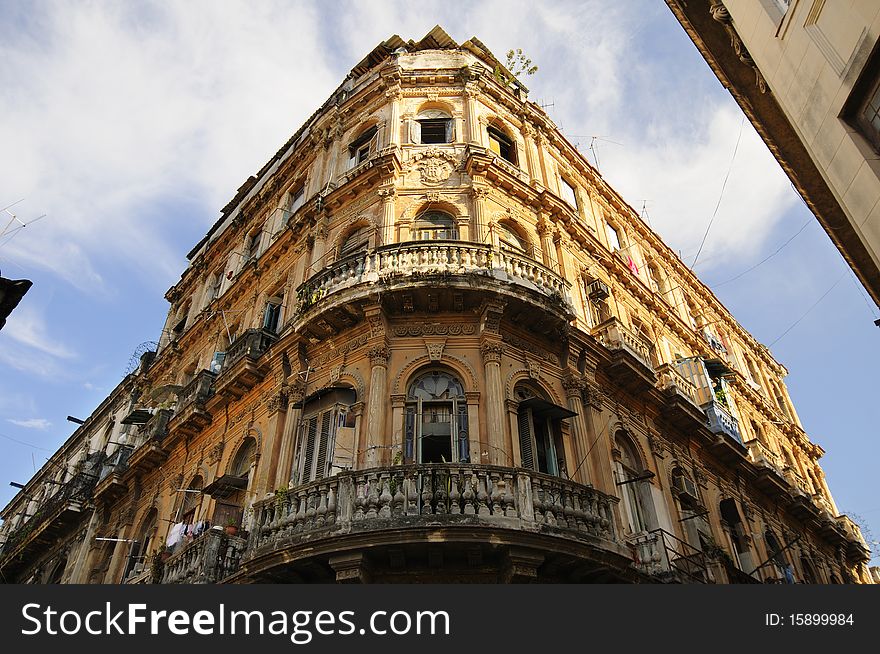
[[505, 144]]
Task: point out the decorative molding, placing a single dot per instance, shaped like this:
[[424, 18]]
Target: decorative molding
[[435, 349], [453, 329]]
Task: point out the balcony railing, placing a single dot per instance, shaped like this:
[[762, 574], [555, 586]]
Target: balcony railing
[[668, 558], [432, 258], [251, 344], [614, 335], [763, 455], [196, 391], [721, 421], [116, 463], [386, 498], [668, 377], [71, 495], [209, 558]]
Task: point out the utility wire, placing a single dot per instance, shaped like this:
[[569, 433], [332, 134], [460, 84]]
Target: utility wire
[[720, 195], [812, 306], [15, 440], [767, 258]]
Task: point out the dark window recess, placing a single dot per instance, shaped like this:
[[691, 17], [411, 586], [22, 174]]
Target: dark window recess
[[272, 316], [862, 108], [501, 145], [360, 148], [436, 130], [178, 328]]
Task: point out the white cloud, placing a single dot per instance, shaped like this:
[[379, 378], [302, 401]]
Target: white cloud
[[29, 328], [31, 423]]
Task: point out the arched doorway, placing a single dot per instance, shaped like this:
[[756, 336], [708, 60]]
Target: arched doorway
[[436, 420], [637, 505], [326, 439], [229, 491], [539, 426], [144, 541]]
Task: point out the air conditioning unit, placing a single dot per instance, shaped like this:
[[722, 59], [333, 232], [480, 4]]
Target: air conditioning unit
[[685, 488], [598, 290]]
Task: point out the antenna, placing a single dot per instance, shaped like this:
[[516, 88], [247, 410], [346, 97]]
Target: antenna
[[644, 214], [14, 225]]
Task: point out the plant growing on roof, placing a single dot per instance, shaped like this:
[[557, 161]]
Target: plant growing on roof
[[517, 64]]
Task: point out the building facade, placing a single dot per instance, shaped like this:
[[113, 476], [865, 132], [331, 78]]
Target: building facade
[[805, 72], [428, 342]]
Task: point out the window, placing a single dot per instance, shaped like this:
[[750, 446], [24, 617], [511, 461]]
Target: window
[[613, 237], [434, 126], [190, 500], [568, 193], [500, 144], [634, 486], [326, 439], [539, 430], [736, 534], [360, 149], [436, 420], [509, 239], [214, 289], [297, 198], [272, 314], [357, 241], [252, 246], [435, 225], [862, 108]]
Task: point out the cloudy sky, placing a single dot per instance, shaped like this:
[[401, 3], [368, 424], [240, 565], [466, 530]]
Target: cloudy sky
[[130, 124]]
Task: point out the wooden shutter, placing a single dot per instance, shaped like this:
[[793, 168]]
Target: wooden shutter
[[309, 455], [526, 447], [449, 129], [323, 441]]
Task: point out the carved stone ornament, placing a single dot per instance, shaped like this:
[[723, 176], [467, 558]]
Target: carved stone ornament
[[434, 165], [379, 355], [335, 374], [491, 352], [215, 453], [435, 350], [454, 329], [534, 368]]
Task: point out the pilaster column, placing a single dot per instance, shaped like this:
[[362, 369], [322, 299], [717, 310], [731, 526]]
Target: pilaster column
[[532, 164], [79, 575], [320, 247], [479, 195], [392, 136], [268, 472], [389, 218], [377, 400], [491, 350], [548, 247], [287, 450], [540, 146], [600, 462], [474, 133], [121, 552], [574, 386]]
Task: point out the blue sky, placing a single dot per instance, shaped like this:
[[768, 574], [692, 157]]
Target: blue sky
[[131, 124]]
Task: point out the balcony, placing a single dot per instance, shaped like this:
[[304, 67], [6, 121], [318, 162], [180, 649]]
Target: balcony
[[149, 453], [856, 549], [51, 520], [668, 559], [426, 272], [191, 415], [681, 407], [768, 475], [631, 365], [111, 483], [242, 368], [208, 559], [412, 521]]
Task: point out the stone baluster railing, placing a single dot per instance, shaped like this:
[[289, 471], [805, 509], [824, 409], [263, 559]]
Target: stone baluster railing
[[668, 376], [369, 499]]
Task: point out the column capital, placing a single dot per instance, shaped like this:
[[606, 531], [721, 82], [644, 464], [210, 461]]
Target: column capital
[[379, 355], [491, 351]]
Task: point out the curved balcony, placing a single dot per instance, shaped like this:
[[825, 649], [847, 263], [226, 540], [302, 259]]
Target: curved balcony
[[437, 521], [461, 266]]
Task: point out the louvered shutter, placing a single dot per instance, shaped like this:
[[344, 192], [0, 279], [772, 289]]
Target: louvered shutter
[[321, 464], [526, 449], [449, 127], [309, 456]]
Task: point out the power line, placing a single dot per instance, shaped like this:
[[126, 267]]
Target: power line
[[15, 440], [720, 195], [768, 257], [812, 306]]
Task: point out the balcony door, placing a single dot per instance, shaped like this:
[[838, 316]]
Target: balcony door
[[326, 439], [436, 420]]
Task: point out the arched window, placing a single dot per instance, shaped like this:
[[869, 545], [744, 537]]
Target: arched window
[[736, 533], [435, 225], [360, 149], [229, 490], [190, 500], [326, 439], [776, 554], [144, 541], [357, 241], [810, 576], [433, 126], [501, 144], [631, 479], [540, 430], [436, 420], [509, 239]]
